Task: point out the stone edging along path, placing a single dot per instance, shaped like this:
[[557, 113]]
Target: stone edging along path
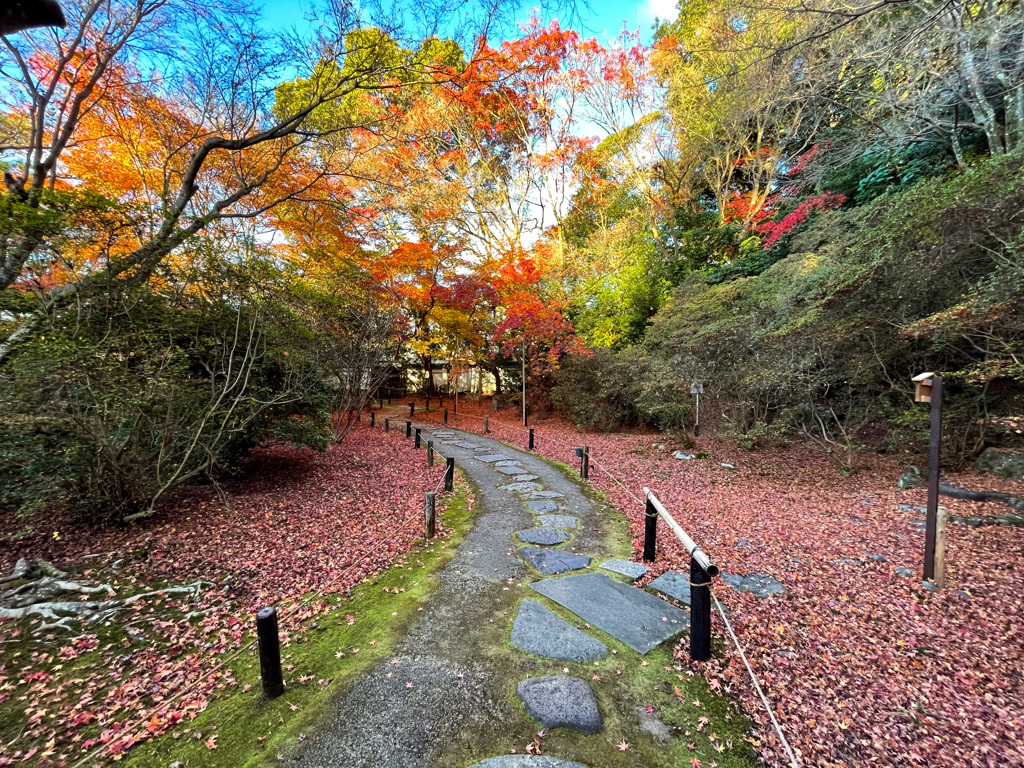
[[460, 687]]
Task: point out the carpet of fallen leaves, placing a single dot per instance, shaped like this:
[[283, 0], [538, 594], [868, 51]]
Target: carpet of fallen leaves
[[863, 667], [297, 526]]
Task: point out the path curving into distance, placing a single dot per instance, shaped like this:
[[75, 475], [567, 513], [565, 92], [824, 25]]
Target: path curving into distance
[[475, 673]]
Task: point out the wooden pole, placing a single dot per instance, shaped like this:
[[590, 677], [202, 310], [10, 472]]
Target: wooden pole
[[487, 425], [430, 453], [270, 653], [940, 550], [408, 429], [449, 474], [387, 425], [419, 439], [700, 612], [429, 515], [373, 418], [412, 408], [650, 531], [934, 459], [531, 438], [446, 416], [585, 463]]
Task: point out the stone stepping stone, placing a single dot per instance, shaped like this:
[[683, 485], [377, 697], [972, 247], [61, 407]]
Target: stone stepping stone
[[537, 630], [515, 464], [491, 458], [626, 568], [561, 701], [759, 584], [674, 585], [552, 561], [524, 478], [526, 761], [636, 618], [467, 446], [507, 470], [444, 434], [546, 495], [542, 506], [522, 487], [558, 521], [546, 536]]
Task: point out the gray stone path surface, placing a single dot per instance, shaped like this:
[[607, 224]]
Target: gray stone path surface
[[561, 701], [379, 722], [537, 630]]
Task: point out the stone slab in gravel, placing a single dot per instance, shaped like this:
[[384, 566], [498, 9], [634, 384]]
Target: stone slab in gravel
[[760, 584], [522, 487], [558, 521], [542, 506], [524, 478], [546, 495], [561, 701], [636, 618], [537, 630], [507, 470], [513, 463], [674, 585], [551, 561], [546, 536], [626, 568], [526, 761], [491, 458]]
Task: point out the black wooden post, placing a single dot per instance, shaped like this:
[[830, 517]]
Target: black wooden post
[[428, 510], [446, 416], [585, 463], [931, 517], [700, 612], [456, 406], [487, 425], [526, 417], [412, 409], [387, 425], [531, 438], [270, 653], [373, 418], [650, 531], [449, 474], [408, 429], [389, 395], [419, 438], [430, 453]]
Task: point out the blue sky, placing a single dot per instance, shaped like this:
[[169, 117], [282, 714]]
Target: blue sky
[[604, 20]]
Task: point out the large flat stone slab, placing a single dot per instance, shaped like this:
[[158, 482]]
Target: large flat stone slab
[[546, 495], [507, 470], [537, 630], [558, 521], [524, 478], [552, 561], [510, 463], [760, 584], [561, 701], [626, 568], [541, 506], [524, 487], [636, 618], [545, 536], [674, 585], [493, 458], [526, 761]]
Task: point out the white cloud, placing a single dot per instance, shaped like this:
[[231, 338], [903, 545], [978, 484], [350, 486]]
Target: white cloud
[[662, 9]]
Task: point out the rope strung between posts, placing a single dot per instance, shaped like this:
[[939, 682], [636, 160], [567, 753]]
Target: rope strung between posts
[[757, 686], [636, 498]]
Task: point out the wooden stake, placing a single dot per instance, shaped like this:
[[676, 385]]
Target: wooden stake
[[270, 653]]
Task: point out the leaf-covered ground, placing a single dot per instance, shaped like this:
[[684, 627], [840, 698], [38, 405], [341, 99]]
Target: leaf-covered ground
[[863, 666], [298, 530]]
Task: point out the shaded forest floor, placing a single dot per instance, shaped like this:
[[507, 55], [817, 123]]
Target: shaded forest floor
[[297, 530], [864, 666]]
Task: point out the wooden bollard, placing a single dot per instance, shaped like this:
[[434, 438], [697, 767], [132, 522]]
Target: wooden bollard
[[430, 453], [419, 438], [270, 653], [412, 409], [526, 417], [650, 531], [449, 474], [408, 429], [700, 612], [585, 463], [487, 425], [531, 438], [387, 425], [445, 415], [373, 418], [428, 509]]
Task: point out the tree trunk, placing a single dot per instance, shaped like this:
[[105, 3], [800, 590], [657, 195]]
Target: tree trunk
[[492, 369]]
